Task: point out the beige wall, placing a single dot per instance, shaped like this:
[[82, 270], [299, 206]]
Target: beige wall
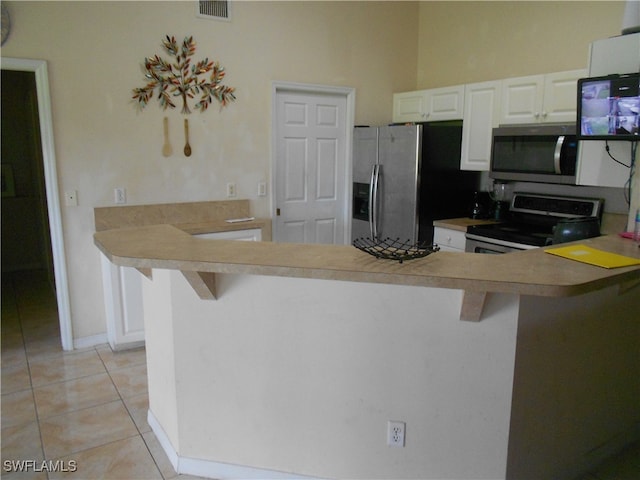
[[94, 51], [466, 42]]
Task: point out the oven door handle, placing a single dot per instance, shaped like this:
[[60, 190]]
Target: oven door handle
[[557, 155]]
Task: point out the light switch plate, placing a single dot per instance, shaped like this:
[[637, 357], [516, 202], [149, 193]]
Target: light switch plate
[[120, 195]]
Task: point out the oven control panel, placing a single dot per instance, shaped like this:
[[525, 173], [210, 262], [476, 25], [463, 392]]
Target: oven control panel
[[556, 206]]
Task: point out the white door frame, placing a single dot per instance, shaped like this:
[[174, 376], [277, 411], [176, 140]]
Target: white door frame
[[304, 88], [39, 67]]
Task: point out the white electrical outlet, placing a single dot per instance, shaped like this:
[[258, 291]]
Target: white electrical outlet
[[120, 195], [231, 190], [395, 433], [262, 189]]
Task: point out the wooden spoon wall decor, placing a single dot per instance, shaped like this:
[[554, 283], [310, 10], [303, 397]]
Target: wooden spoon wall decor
[[166, 147], [187, 147]]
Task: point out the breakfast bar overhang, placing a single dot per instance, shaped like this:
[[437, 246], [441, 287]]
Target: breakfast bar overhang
[[285, 360]]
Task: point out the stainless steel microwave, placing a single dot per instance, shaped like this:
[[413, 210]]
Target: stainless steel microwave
[[534, 153]]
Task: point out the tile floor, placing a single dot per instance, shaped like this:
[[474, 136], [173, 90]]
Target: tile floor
[[90, 406], [85, 406]]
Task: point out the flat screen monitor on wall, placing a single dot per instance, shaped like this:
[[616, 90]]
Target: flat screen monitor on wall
[[609, 107]]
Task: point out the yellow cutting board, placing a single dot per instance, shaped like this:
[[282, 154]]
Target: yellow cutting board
[[592, 256]]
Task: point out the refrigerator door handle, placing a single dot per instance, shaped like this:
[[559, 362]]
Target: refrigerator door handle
[[373, 201], [372, 183]]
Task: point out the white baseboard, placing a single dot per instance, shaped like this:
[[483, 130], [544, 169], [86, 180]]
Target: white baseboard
[[92, 341], [210, 469], [163, 439]]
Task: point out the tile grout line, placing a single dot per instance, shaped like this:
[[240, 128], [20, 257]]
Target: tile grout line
[[140, 435], [24, 346], [120, 399]]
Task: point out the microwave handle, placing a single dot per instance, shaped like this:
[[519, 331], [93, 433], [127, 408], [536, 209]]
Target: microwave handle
[[557, 154]]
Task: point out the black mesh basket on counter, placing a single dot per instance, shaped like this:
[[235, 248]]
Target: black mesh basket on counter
[[391, 249]]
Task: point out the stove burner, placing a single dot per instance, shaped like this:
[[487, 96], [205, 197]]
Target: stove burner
[[514, 234]]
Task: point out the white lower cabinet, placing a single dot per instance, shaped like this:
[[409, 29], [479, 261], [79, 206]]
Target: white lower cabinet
[[252, 235], [449, 240], [122, 287]]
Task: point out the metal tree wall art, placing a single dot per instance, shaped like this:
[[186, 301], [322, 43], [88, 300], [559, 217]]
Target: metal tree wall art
[[181, 78]]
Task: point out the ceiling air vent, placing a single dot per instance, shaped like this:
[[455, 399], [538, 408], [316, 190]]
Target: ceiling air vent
[[214, 9]]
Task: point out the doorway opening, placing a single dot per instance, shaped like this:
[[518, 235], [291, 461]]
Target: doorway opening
[[31, 220]]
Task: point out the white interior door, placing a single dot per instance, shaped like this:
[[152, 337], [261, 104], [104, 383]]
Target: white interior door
[[311, 166]]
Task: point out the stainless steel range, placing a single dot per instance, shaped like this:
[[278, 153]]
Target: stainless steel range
[[531, 222]]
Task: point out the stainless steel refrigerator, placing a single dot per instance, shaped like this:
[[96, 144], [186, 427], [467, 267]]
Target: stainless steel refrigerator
[[407, 176]]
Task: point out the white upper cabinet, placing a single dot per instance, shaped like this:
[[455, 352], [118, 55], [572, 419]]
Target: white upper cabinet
[[561, 96], [521, 99], [615, 55], [481, 115], [549, 98], [436, 104], [445, 103], [408, 107]]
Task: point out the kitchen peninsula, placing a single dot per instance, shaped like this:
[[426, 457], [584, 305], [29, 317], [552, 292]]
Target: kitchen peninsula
[[286, 360], [122, 286]]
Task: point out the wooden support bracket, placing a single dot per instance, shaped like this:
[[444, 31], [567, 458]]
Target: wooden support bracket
[[472, 306], [147, 272], [204, 284]]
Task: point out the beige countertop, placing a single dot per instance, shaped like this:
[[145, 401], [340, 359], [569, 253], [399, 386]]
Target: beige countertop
[[191, 217], [461, 224], [531, 272]]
